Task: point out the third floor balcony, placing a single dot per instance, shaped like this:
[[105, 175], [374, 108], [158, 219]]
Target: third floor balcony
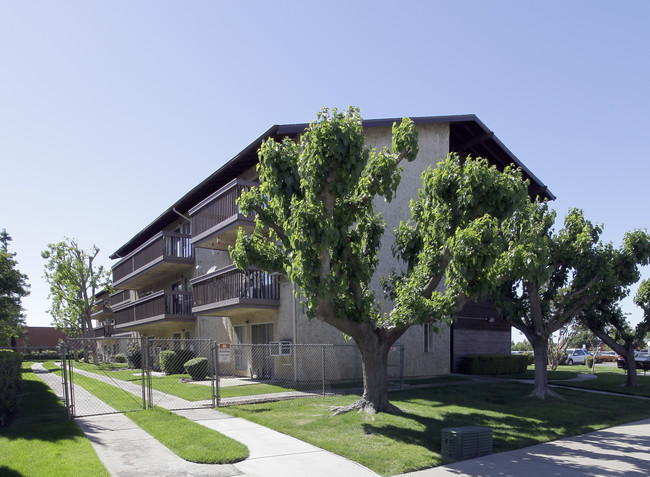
[[162, 258], [216, 220]]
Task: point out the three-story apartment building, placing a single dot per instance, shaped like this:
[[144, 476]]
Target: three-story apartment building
[[175, 279]]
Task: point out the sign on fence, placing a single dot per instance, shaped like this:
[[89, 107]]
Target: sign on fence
[[224, 352]]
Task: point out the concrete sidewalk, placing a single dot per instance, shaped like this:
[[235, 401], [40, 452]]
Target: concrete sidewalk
[[126, 450], [618, 451]]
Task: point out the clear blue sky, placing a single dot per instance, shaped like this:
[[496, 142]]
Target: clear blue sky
[[111, 111]]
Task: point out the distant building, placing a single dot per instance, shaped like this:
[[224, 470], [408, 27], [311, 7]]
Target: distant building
[[39, 337]]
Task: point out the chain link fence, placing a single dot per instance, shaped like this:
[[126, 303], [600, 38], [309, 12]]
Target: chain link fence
[[130, 374]]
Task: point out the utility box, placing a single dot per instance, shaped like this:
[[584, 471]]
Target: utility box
[[467, 442]]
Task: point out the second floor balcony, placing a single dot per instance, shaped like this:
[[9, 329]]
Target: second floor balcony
[[231, 291], [217, 219], [174, 306], [102, 309], [163, 257]]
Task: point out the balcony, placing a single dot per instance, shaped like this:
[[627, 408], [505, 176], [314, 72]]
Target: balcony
[[216, 220], [120, 296], [230, 291], [163, 258], [100, 332], [162, 306], [102, 310]]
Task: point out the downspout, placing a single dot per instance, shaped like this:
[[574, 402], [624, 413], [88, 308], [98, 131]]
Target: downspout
[[295, 342], [184, 216]]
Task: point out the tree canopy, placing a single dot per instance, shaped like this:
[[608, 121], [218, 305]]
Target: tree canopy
[[316, 223], [74, 281], [13, 288], [619, 269], [547, 278]]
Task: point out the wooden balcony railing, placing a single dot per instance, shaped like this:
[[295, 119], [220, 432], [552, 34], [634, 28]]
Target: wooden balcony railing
[[120, 297], [219, 207], [160, 305], [231, 286], [100, 332], [165, 245]]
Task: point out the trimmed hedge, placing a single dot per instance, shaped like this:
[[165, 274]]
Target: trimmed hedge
[[171, 362], [493, 364], [10, 374], [197, 368], [120, 358]]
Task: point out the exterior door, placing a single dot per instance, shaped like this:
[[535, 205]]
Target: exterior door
[[239, 338], [261, 336]]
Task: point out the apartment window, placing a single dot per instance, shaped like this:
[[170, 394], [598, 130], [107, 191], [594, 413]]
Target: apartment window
[[428, 337]]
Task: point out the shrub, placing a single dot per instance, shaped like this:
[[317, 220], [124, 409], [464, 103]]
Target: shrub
[[134, 357], [168, 360], [494, 364], [197, 368], [10, 369], [589, 361], [531, 357], [120, 358]]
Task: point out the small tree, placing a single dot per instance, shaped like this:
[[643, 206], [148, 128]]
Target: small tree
[[74, 280], [316, 224], [557, 350], [547, 277], [13, 287], [619, 270]]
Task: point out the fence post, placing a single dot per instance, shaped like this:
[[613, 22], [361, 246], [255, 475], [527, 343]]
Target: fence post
[[215, 381], [143, 354], [323, 366], [401, 367], [64, 381]]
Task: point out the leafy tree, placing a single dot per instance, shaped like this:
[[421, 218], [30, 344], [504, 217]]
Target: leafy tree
[[316, 223], [619, 269], [13, 287], [557, 350], [521, 346], [548, 277], [74, 280]]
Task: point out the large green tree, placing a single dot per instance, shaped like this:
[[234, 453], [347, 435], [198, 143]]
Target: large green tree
[[619, 269], [547, 278], [316, 223], [13, 288], [74, 281]]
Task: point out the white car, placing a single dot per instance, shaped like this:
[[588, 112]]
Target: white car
[[576, 356]]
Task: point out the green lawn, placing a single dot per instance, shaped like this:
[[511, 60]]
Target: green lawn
[[171, 384], [40, 441], [391, 444], [612, 380], [189, 440]]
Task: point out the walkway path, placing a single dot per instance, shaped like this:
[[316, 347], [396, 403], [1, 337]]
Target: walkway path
[[617, 451], [272, 453]]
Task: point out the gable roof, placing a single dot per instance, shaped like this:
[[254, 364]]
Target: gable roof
[[468, 135]]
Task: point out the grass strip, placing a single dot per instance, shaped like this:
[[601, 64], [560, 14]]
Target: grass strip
[[394, 444], [40, 441], [187, 439], [171, 384]]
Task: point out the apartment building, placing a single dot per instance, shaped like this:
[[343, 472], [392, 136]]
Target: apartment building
[[174, 278]]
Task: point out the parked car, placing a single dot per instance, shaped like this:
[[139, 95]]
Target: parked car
[[606, 357], [576, 356], [641, 361]]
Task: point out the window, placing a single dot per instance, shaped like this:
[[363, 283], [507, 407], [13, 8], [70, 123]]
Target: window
[[428, 337]]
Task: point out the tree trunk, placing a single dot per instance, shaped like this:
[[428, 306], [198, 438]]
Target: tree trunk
[[630, 365], [374, 349], [541, 390]]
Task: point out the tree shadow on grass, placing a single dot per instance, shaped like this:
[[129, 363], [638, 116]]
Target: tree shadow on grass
[[516, 419], [40, 415]]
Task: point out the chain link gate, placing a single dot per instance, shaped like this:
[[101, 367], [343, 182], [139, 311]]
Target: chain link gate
[[134, 374]]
